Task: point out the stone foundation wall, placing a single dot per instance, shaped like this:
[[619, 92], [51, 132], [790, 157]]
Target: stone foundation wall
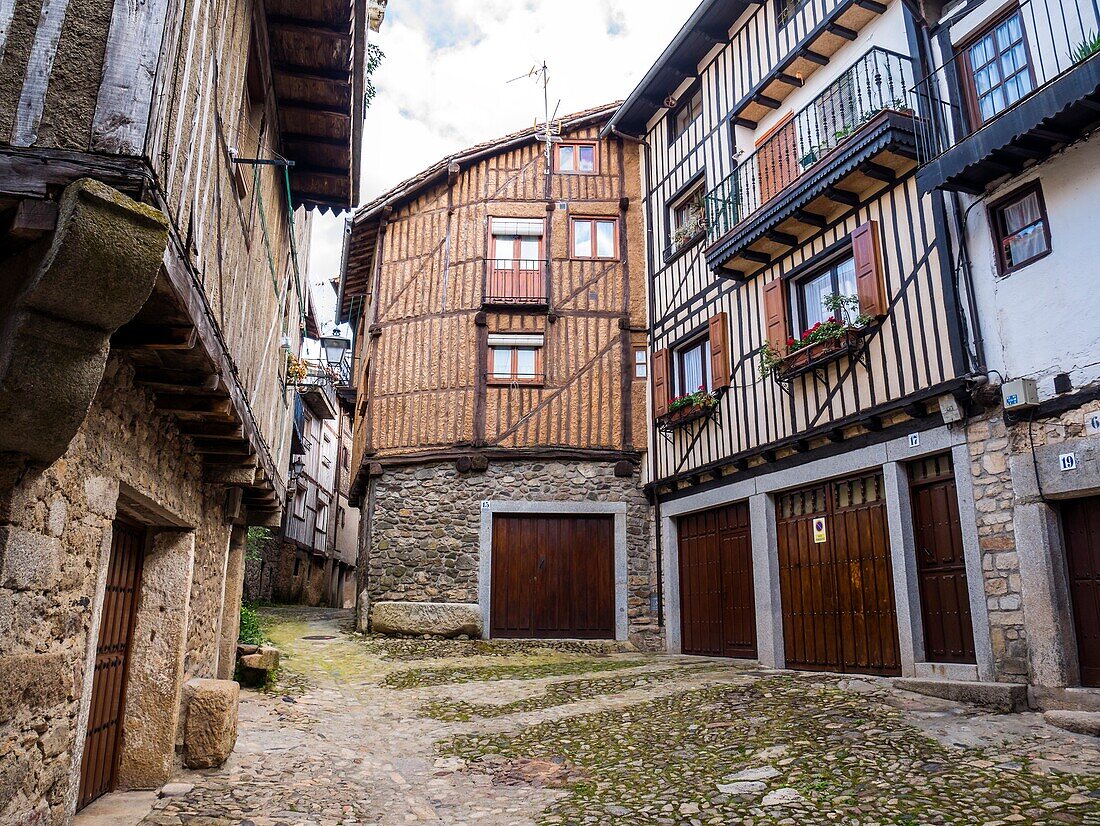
[[1003, 468], [994, 500], [422, 534], [55, 538]]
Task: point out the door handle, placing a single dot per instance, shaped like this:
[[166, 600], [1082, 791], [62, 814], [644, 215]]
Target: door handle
[[928, 554], [542, 562]]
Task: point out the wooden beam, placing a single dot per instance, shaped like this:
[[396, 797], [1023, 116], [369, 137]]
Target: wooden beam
[[154, 337], [872, 5], [835, 435], [741, 464], [873, 423], [303, 105], [758, 257], [33, 219], [878, 172], [212, 430], [1051, 135], [745, 122], [916, 410], [223, 448], [174, 404], [784, 238], [301, 71], [842, 31], [790, 80], [176, 381], [308, 27], [811, 218], [842, 196], [802, 445], [764, 100], [1024, 151], [814, 57]]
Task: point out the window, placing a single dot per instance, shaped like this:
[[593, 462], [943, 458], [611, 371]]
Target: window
[[297, 566], [641, 363], [321, 525], [693, 366], [515, 359], [997, 68], [687, 217], [809, 293], [785, 10], [685, 113], [577, 158], [299, 504], [595, 238], [517, 274], [1021, 233]]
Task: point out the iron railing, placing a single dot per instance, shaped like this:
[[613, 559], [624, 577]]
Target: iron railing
[[1058, 35], [516, 281], [319, 380], [878, 81]]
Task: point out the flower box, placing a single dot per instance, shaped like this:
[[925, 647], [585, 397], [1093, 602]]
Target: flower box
[[822, 351], [685, 416]]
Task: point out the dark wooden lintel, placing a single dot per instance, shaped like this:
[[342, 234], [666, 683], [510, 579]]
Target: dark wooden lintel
[[154, 337]]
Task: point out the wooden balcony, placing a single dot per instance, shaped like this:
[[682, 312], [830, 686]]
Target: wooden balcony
[[853, 141], [319, 394], [517, 283], [1063, 107]]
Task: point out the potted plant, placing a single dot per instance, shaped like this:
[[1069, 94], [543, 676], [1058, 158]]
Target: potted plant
[[695, 224], [690, 406], [838, 331], [296, 369]]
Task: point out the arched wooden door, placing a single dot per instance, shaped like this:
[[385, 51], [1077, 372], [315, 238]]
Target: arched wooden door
[[99, 766]]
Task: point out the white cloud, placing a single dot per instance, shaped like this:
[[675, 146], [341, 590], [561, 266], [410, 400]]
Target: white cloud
[[444, 83]]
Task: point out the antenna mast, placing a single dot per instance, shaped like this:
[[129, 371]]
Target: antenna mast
[[549, 133]]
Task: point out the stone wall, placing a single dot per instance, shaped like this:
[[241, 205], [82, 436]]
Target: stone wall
[[994, 501], [1003, 468], [422, 533], [55, 539]]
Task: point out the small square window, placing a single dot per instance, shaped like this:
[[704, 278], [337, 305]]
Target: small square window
[[1021, 232], [687, 218], [641, 363], [785, 10], [595, 238], [687, 112], [515, 359], [577, 158]]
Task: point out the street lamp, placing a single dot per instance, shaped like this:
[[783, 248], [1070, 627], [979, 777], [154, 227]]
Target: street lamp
[[296, 468], [336, 349]]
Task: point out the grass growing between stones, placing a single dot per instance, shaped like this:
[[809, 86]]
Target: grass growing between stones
[[536, 670], [411, 649], [556, 694], [839, 757]]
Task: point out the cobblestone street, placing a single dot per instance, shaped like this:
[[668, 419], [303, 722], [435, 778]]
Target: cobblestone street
[[358, 730]]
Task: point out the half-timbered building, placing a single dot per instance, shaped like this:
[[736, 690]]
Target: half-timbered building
[[499, 307], [157, 161], [1013, 94], [814, 502]]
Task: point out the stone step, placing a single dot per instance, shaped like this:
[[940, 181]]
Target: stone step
[[1079, 722], [1004, 697]]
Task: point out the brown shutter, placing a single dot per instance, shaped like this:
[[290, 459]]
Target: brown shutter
[[775, 314], [870, 282], [719, 352], [661, 390]]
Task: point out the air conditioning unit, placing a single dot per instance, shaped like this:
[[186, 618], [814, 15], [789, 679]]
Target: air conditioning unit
[[1020, 394]]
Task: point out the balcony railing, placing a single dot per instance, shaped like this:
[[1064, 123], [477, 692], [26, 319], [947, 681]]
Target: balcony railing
[[878, 81], [318, 392], [515, 281], [1058, 35]]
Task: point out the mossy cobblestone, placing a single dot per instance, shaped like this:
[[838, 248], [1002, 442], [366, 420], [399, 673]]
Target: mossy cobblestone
[[544, 736]]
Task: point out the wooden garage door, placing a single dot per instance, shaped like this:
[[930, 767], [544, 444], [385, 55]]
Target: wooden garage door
[[1081, 525], [941, 566], [553, 577], [99, 765], [837, 593], [717, 602]]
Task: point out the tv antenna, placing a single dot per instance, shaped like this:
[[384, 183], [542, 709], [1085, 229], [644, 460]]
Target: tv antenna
[[549, 132]]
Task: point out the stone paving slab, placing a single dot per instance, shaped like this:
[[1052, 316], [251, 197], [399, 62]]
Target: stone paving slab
[[552, 735]]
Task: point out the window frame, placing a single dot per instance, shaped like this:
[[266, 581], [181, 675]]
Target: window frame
[[798, 322], [684, 103], [577, 143], [537, 380], [779, 7], [994, 217], [685, 195], [593, 220], [697, 341], [641, 363], [974, 118]]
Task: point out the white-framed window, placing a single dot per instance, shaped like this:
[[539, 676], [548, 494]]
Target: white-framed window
[[515, 359], [641, 363]]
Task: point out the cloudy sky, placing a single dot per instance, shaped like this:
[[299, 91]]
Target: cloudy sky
[[444, 83]]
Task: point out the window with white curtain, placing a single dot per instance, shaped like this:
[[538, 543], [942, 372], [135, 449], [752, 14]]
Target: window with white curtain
[[809, 293], [1020, 229]]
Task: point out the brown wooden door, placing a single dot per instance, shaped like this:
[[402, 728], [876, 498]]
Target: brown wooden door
[[717, 601], [941, 566], [777, 159], [553, 577], [99, 765], [1081, 526], [837, 594]]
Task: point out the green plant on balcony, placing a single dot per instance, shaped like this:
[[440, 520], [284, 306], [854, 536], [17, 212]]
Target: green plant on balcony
[[1087, 48], [694, 225], [840, 328], [296, 369]]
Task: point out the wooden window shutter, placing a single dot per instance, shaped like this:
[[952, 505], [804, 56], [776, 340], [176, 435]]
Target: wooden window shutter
[[870, 280], [719, 352], [775, 315], [661, 386]]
